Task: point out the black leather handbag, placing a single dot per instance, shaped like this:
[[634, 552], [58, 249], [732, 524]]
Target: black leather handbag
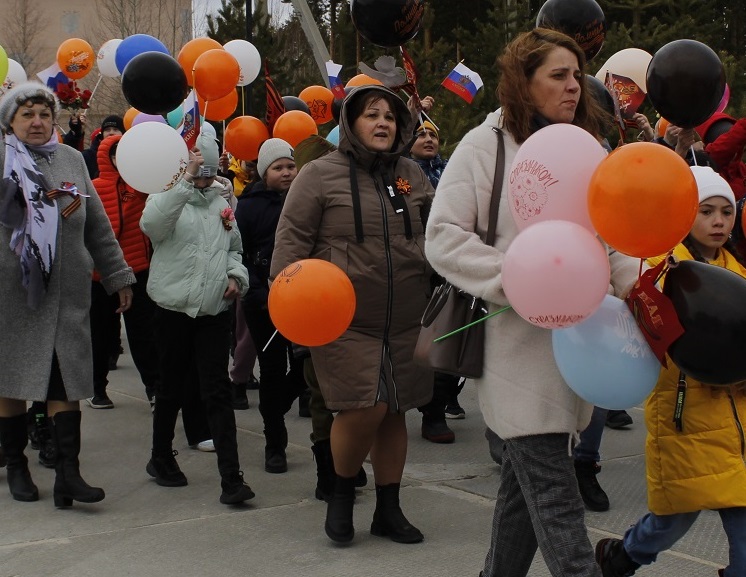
[[450, 308]]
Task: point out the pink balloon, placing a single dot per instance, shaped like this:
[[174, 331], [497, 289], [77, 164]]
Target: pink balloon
[[142, 117], [724, 100], [549, 177], [555, 274]]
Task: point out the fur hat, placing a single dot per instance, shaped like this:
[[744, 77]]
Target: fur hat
[[272, 149], [20, 93], [210, 153], [710, 184], [113, 121]]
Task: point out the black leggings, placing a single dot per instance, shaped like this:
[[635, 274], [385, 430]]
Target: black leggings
[[56, 390]]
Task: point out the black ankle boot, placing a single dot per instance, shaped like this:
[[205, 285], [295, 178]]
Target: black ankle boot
[[69, 486], [388, 519], [275, 458], [325, 477], [14, 438], [594, 497], [613, 559], [338, 524]]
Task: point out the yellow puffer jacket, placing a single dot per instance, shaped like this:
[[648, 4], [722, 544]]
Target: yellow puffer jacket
[[704, 465]]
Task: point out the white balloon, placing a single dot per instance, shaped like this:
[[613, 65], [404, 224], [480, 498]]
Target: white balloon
[[152, 157], [630, 62], [106, 59], [16, 75], [248, 58]]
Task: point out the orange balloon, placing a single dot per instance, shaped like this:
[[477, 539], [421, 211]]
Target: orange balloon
[[362, 80], [293, 126], [311, 302], [219, 109], [194, 49], [643, 199], [75, 57], [243, 137], [129, 117], [661, 127], [215, 73], [319, 100]]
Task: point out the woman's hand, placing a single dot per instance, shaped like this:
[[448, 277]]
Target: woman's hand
[[417, 105], [195, 161], [233, 291], [687, 139], [125, 299], [224, 162], [642, 123]]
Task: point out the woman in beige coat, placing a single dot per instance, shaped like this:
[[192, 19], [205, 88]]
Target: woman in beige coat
[[363, 208]]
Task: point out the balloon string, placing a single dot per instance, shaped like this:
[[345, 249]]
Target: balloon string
[[484, 318], [274, 334], [100, 78], [694, 158]]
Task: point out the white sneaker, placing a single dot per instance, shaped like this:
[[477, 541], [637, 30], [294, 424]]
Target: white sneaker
[[207, 446]]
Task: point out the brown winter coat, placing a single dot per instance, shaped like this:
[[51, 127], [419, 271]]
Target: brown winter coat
[[387, 269]]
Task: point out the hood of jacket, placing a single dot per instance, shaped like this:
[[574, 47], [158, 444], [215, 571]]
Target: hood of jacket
[[349, 142], [106, 168]]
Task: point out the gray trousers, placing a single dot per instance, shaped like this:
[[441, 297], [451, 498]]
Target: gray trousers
[[539, 506]]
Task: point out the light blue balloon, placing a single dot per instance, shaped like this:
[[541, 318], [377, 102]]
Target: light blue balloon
[[605, 359], [176, 116], [333, 136], [134, 45]]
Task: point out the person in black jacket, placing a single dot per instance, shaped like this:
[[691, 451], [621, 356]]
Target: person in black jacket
[[257, 215]]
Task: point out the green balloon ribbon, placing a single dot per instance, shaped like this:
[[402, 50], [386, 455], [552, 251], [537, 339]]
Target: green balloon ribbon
[[484, 318]]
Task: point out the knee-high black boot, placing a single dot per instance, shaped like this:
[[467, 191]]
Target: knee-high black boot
[[14, 438], [388, 519], [338, 524], [69, 486]]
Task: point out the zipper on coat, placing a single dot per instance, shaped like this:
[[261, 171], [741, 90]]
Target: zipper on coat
[[739, 426], [389, 284]]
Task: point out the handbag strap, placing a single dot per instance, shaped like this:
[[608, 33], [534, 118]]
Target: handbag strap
[[497, 187]]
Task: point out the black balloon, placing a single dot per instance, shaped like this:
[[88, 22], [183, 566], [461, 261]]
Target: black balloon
[[582, 20], [387, 23], [154, 83], [686, 82], [600, 93], [709, 301], [295, 103]]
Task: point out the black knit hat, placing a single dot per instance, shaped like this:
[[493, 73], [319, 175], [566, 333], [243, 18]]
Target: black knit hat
[[113, 121]]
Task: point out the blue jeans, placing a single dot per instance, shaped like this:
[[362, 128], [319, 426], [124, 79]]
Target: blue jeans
[[590, 439], [539, 506], [655, 533]]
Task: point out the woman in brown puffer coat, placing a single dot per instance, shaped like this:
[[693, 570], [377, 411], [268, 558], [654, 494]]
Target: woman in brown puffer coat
[[363, 208]]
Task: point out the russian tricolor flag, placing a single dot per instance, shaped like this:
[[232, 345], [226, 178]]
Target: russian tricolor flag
[[333, 70], [52, 76], [464, 82]]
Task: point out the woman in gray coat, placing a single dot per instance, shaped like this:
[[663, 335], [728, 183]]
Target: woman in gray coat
[[54, 230]]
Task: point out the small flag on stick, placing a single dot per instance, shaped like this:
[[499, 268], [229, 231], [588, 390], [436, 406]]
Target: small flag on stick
[[463, 82]]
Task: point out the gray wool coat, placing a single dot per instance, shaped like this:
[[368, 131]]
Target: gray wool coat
[[28, 338]]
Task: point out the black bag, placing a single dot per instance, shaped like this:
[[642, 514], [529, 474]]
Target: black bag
[[451, 308], [462, 354]]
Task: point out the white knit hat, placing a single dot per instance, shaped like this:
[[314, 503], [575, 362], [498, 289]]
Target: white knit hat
[[710, 184], [11, 101], [210, 154], [272, 149]]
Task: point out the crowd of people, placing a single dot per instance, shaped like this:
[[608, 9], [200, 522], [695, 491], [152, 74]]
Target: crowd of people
[[189, 272]]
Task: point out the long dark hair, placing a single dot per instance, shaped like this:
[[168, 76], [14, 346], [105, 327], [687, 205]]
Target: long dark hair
[[517, 65], [730, 246]]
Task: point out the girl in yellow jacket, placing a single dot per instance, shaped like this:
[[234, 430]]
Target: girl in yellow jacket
[[702, 466]]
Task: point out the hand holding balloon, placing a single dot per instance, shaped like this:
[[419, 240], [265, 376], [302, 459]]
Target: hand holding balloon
[[688, 138]]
